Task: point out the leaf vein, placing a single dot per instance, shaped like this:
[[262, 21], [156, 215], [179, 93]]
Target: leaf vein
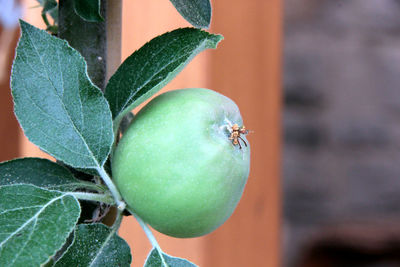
[[63, 105], [31, 219]]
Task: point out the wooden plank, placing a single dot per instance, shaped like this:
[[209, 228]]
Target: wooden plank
[[142, 21], [247, 68], [26, 148], [9, 134]]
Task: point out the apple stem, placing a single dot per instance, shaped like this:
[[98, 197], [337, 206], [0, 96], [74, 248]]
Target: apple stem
[[121, 205], [94, 197], [150, 236]]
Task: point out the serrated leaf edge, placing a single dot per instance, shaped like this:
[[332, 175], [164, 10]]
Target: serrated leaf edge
[[99, 164], [110, 235], [164, 259], [210, 42], [63, 194], [76, 185]]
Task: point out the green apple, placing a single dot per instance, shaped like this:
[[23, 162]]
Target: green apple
[[177, 167]]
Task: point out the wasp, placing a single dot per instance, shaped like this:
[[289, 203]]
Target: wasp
[[236, 131]]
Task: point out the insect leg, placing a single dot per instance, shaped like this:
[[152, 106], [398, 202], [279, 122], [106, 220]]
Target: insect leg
[[242, 140]]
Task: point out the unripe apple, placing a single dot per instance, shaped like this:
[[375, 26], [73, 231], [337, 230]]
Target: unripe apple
[[176, 165]]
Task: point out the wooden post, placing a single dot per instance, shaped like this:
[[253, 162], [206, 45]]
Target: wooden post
[[86, 37], [98, 42], [114, 40]]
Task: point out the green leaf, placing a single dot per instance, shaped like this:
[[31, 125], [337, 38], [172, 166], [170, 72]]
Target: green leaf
[[88, 10], [96, 245], [58, 107], [196, 12], [150, 68], [39, 172], [34, 223], [154, 260]]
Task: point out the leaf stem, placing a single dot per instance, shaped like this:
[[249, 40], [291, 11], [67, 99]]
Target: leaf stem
[[149, 235], [94, 197], [45, 20], [93, 186], [114, 191]]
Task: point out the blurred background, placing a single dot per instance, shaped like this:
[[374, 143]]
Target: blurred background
[[341, 171]]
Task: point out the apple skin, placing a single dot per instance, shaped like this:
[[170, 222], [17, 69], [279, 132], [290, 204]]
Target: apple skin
[[175, 165]]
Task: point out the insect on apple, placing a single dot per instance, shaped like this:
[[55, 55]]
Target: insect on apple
[[236, 131]]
